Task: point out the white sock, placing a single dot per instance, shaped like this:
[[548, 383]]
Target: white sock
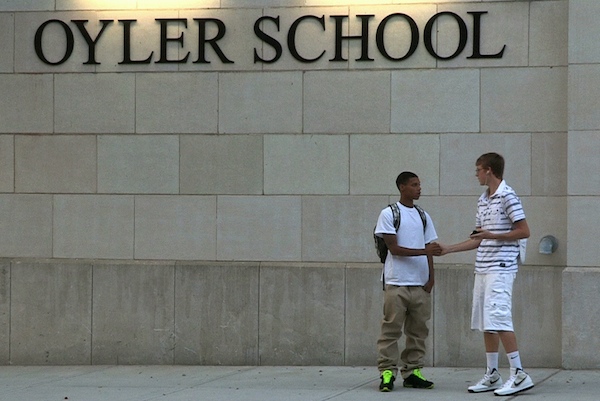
[[514, 360], [492, 361]]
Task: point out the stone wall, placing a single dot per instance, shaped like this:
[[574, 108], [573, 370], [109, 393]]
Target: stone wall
[[118, 176], [114, 312], [251, 161]]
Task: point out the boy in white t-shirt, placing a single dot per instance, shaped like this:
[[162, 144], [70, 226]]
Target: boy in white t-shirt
[[408, 280]]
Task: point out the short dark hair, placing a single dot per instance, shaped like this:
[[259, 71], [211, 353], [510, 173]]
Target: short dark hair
[[494, 161], [403, 178]]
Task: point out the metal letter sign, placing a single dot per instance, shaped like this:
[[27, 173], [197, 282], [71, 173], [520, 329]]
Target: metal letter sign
[[209, 33]]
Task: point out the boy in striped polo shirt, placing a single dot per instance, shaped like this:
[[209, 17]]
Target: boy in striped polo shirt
[[500, 224]]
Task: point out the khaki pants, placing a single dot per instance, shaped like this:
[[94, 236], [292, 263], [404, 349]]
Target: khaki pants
[[407, 308]]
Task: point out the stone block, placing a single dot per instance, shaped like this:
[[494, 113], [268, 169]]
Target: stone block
[[55, 164], [580, 317], [5, 300], [364, 311], [583, 93], [145, 40], [548, 33], [459, 152], [53, 43], [583, 146], [221, 164], [7, 163], [398, 153], [259, 228], [311, 41], [169, 103], [105, 4], [29, 106], [301, 318], [534, 98], [51, 313], [237, 45], [185, 4], [291, 161], [455, 344], [537, 317], [27, 5], [92, 226], [267, 102], [94, 103], [351, 218], [331, 104], [583, 31], [362, 2], [503, 24], [435, 101], [7, 21], [262, 3], [175, 227], [216, 313], [397, 37], [546, 216], [143, 330], [453, 227], [138, 164], [26, 222], [583, 220], [549, 158]]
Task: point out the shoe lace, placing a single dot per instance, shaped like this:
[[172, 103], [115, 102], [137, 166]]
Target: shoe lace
[[487, 376], [510, 381], [387, 376], [417, 372]]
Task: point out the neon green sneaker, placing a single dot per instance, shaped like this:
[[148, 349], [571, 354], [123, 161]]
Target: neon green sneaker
[[387, 381], [416, 380]]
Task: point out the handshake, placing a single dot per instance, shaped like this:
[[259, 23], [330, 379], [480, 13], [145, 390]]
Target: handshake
[[434, 249], [437, 249]]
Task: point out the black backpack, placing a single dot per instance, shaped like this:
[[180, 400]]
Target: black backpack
[[380, 246]]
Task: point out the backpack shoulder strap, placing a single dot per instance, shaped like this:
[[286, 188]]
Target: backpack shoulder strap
[[422, 214], [396, 214]]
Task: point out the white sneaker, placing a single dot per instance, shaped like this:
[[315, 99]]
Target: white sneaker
[[518, 381], [491, 381]]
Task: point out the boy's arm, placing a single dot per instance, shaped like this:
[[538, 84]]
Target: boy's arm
[[429, 285], [432, 248], [467, 245], [520, 230]]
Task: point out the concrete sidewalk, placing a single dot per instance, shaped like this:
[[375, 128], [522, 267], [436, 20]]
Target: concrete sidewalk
[[313, 383]]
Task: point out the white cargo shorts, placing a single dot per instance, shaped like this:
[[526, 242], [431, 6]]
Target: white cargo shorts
[[492, 302]]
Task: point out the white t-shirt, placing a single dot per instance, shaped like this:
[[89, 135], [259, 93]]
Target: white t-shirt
[[406, 270]]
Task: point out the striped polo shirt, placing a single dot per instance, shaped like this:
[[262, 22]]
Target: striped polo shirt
[[497, 213]]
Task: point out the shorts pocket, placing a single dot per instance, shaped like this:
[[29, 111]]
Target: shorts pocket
[[499, 307]]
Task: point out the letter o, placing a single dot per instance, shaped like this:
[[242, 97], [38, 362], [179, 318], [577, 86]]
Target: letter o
[[414, 37], [428, 33], [38, 42]]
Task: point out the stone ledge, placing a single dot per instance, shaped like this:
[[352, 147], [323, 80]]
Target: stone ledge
[[64, 311]]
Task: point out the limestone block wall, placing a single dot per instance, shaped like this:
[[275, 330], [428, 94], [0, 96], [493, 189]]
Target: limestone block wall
[[162, 166], [583, 142], [56, 312], [255, 161]]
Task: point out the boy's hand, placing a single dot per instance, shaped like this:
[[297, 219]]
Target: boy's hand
[[434, 249]]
